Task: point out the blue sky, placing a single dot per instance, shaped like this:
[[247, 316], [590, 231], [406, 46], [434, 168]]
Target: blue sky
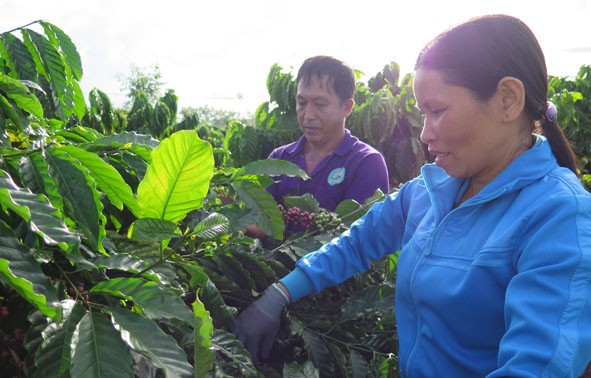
[[218, 53]]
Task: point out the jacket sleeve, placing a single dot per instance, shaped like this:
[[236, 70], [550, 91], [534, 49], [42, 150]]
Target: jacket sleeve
[[375, 235], [548, 301]]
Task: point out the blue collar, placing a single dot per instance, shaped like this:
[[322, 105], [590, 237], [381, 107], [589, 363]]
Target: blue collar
[[530, 166]]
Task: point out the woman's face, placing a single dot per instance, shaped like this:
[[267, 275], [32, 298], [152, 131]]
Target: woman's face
[[465, 135]]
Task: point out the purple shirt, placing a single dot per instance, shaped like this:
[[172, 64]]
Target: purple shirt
[[353, 171]]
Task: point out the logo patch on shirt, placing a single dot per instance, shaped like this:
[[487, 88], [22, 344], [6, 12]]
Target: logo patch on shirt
[[336, 176]]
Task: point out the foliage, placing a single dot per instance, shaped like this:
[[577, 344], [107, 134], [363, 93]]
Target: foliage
[[41, 73], [211, 116], [102, 116], [146, 80], [386, 117], [157, 120], [279, 112], [573, 99], [147, 112]]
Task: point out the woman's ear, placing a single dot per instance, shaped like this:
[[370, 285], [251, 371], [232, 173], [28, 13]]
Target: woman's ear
[[512, 96]]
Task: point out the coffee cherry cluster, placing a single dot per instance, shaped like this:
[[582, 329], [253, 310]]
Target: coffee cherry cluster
[[294, 216], [14, 339], [321, 221], [12, 350], [80, 290], [328, 222], [4, 311]]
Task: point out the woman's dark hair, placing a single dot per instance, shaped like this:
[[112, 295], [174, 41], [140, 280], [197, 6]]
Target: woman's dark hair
[[480, 52], [339, 74]]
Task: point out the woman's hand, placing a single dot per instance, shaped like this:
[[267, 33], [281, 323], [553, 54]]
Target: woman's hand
[[257, 326]]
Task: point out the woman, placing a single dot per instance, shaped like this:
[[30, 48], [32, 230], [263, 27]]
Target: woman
[[494, 272]]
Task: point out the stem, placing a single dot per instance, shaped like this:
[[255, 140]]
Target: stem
[[156, 263], [306, 234], [64, 275], [149, 267], [350, 346], [21, 27]]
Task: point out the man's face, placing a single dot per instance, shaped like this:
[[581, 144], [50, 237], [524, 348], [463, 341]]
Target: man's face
[[321, 113]]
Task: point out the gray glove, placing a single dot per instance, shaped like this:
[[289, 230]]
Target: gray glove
[[257, 326]]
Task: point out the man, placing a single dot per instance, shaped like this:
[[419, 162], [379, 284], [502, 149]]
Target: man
[[340, 166]]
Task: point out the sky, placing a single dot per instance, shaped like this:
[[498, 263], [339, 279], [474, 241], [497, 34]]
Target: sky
[[219, 52]]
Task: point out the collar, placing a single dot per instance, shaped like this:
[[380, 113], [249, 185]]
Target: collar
[[349, 141], [530, 166]]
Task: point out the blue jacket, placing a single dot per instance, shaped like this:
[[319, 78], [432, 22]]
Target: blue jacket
[[499, 286]]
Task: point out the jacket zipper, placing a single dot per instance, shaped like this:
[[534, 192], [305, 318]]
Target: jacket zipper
[[427, 252]]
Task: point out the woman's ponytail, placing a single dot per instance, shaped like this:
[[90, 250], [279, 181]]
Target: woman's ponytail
[[560, 145]]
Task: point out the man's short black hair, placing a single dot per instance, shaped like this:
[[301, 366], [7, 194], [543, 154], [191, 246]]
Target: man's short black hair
[[338, 73]]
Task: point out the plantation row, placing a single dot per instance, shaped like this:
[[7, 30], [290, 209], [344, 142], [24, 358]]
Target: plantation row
[[120, 245]]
